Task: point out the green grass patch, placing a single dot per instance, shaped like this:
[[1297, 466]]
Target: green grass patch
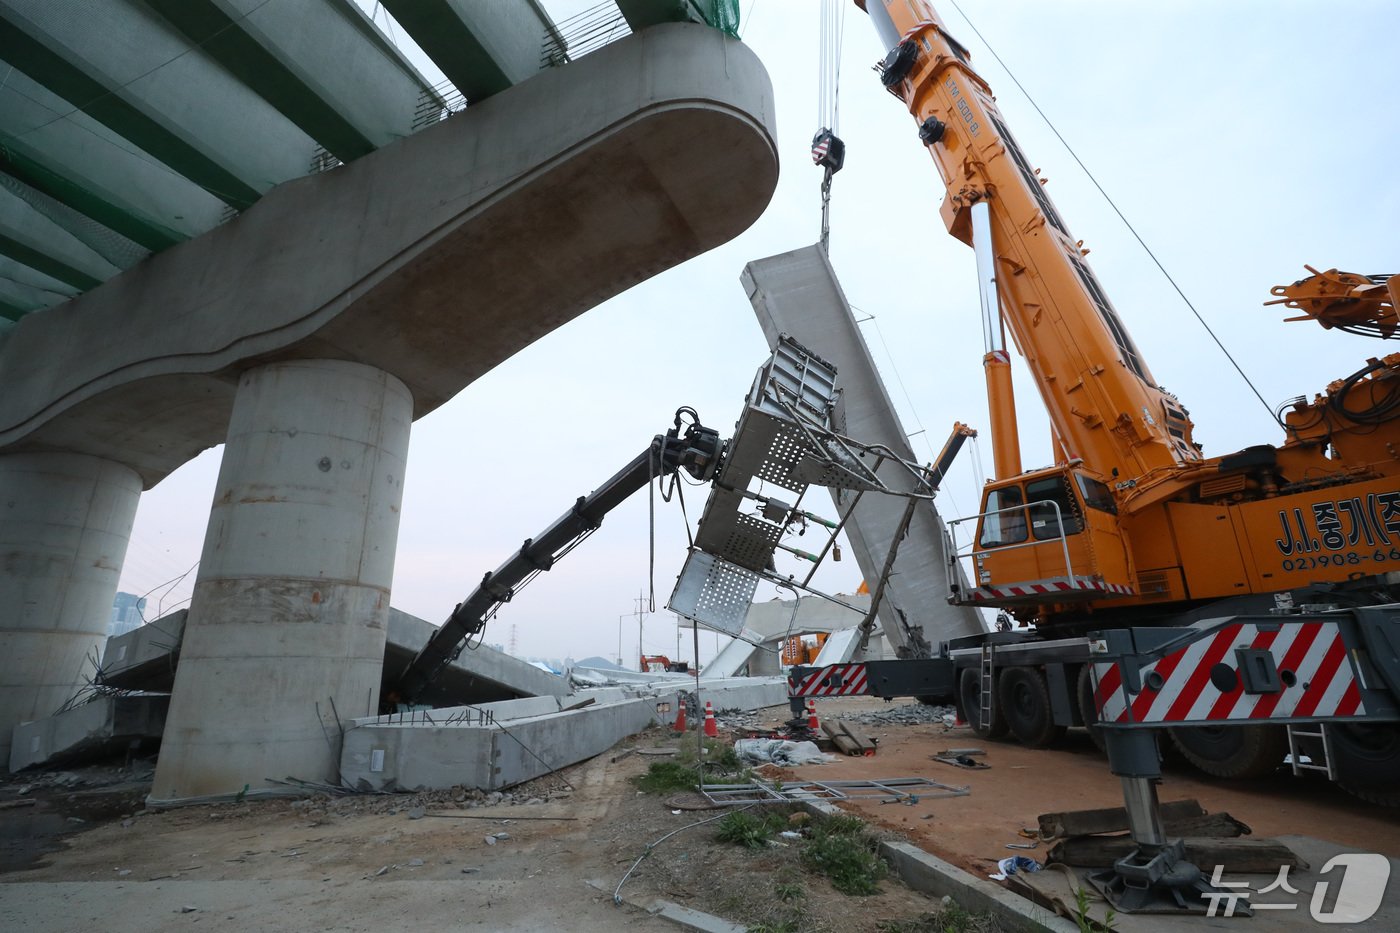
[[719, 766], [751, 830], [666, 777], [841, 849]]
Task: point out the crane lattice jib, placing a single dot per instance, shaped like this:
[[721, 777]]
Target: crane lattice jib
[[1102, 400]]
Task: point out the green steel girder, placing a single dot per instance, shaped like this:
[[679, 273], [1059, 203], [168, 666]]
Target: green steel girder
[[35, 54], [23, 298], [26, 255], [11, 312], [481, 51], [85, 200], [207, 24]]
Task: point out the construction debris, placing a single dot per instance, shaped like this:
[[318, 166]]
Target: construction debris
[[904, 714]]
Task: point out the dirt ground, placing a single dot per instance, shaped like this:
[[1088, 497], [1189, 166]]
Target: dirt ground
[[368, 863], [407, 861], [1023, 783]]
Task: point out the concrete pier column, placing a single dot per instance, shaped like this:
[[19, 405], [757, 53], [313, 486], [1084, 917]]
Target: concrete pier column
[[65, 520], [285, 636]]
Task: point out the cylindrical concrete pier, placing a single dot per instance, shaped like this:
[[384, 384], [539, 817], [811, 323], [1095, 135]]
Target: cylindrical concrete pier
[[285, 637], [65, 520]]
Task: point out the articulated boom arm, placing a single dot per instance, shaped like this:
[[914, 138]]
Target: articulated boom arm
[[697, 451], [1102, 401]]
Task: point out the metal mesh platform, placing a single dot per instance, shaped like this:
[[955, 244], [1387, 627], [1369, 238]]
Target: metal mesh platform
[[903, 790]]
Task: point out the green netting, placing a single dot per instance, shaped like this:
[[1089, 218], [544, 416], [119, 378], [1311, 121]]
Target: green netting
[[721, 14]]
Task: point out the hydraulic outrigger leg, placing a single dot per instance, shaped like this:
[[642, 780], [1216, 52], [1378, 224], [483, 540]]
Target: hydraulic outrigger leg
[[1156, 873]]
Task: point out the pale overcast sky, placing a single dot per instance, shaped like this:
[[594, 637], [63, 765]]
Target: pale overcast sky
[[1241, 139]]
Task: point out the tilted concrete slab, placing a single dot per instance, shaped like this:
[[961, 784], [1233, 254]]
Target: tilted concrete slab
[[481, 674], [798, 294], [105, 726], [433, 259], [146, 657]]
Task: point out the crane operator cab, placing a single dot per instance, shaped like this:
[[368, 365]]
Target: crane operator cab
[[1051, 532]]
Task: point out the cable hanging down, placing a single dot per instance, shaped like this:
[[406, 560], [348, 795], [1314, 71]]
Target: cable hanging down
[[828, 151]]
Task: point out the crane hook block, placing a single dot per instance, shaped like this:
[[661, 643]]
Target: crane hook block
[[898, 63], [828, 151]]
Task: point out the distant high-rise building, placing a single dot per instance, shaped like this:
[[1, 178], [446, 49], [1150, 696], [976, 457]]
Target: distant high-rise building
[[127, 614]]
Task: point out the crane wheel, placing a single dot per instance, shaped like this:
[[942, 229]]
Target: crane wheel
[[1087, 711], [1025, 704], [1378, 796], [970, 706], [1367, 760], [1232, 751]]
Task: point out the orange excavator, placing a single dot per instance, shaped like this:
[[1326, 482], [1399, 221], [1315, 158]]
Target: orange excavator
[[1133, 524]]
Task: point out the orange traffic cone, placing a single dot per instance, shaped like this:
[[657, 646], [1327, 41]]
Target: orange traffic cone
[[680, 718], [812, 723], [710, 728]]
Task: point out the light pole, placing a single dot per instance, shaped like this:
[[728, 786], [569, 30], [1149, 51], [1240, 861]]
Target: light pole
[[641, 650], [619, 637]]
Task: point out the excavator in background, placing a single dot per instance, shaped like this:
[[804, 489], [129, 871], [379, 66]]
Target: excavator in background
[[660, 664], [1134, 525]]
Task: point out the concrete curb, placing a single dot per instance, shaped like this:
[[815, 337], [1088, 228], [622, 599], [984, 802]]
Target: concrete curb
[[683, 917], [937, 878]]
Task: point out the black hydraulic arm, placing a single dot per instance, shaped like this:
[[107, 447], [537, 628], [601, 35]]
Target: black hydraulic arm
[[688, 446]]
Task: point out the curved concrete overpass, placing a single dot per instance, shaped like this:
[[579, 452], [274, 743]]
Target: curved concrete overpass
[[307, 333], [432, 259]]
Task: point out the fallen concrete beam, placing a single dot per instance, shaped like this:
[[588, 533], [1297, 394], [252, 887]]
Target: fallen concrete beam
[[479, 675], [105, 726], [420, 755], [145, 657], [798, 294], [495, 745]]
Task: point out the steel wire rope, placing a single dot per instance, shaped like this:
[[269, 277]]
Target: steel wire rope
[[1131, 229], [909, 399], [617, 892]]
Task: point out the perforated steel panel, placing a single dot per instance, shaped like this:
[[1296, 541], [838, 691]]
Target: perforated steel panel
[[838, 472], [714, 593]]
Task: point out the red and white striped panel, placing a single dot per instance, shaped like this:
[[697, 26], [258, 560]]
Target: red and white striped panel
[[819, 152], [832, 681], [1058, 585], [1324, 682]]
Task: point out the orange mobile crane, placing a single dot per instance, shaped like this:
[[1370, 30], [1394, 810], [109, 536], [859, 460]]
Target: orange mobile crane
[[1133, 525]]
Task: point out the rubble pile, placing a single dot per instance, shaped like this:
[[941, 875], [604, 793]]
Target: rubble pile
[[904, 714]]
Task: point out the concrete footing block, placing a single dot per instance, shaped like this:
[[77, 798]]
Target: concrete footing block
[[105, 726]]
